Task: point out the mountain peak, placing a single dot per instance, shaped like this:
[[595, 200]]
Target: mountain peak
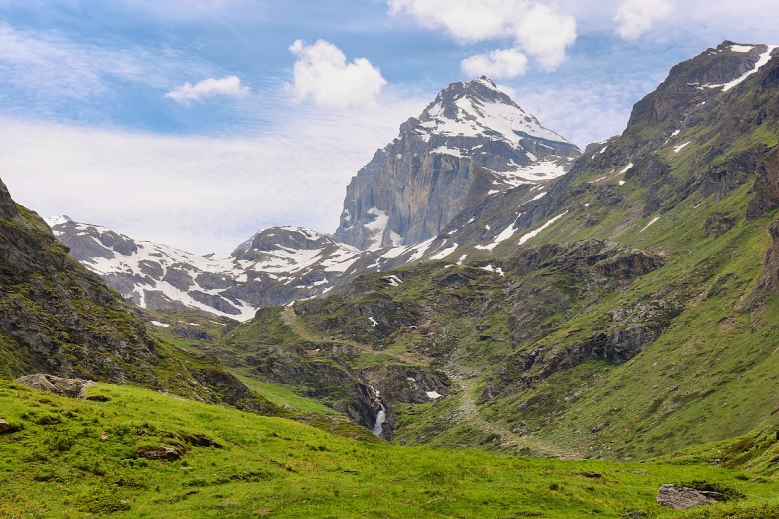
[[51, 221], [471, 142], [480, 109]]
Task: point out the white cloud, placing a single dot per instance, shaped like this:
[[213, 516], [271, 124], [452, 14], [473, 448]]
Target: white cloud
[[321, 73], [498, 64], [584, 110], [538, 29], [228, 86], [635, 17], [545, 34], [468, 20]]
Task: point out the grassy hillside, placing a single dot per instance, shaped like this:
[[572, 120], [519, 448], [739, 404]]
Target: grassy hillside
[[79, 458]]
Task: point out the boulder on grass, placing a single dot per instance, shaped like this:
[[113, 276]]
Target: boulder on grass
[[6, 428], [682, 498], [72, 387]]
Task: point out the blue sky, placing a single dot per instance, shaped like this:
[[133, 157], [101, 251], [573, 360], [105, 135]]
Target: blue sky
[[195, 123]]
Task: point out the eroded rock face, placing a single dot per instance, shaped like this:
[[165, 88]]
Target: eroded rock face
[[683, 498], [71, 387], [470, 142], [718, 224], [162, 453], [712, 67], [61, 315]]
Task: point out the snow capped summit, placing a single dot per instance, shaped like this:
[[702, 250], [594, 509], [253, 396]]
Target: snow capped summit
[[470, 142], [275, 266], [480, 109], [51, 221]]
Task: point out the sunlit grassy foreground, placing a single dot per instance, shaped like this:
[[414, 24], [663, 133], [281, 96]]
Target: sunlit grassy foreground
[[76, 458]]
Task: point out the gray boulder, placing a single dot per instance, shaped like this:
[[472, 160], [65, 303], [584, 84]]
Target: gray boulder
[[71, 387], [682, 498]]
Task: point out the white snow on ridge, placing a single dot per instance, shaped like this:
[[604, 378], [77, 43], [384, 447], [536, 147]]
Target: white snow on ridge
[[494, 269], [443, 150], [444, 253], [764, 59], [679, 148], [284, 264], [480, 117], [656, 218], [626, 168], [532, 234], [51, 221], [741, 48]]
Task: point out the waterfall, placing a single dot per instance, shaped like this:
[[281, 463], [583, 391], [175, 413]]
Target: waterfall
[[381, 416]]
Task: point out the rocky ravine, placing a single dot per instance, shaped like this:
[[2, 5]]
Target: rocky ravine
[[471, 142]]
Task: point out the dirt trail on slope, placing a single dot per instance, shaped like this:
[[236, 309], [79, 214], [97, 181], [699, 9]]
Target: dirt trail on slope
[[508, 439]]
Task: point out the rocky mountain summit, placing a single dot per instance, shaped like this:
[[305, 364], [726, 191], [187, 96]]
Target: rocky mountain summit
[[275, 266], [471, 142]]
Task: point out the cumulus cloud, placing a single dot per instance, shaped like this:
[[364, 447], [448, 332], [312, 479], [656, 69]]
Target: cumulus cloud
[[537, 29], [322, 74], [228, 86], [545, 34], [635, 17], [498, 64]]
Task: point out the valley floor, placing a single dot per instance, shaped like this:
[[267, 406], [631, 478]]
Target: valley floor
[[81, 458]]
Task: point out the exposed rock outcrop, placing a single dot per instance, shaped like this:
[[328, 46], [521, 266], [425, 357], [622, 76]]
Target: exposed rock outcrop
[[71, 387], [682, 498]]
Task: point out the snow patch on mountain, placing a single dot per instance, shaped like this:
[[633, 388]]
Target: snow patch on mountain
[[51, 221], [477, 116]]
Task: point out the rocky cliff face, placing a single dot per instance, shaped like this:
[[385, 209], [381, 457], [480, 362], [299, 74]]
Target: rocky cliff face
[[470, 143]]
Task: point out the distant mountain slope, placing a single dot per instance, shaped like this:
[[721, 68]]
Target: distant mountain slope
[[274, 267], [628, 312], [471, 142]]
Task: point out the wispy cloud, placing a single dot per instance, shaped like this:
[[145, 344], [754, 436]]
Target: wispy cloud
[[46, 70], [229, 86], [322, 74], [201, 194]]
